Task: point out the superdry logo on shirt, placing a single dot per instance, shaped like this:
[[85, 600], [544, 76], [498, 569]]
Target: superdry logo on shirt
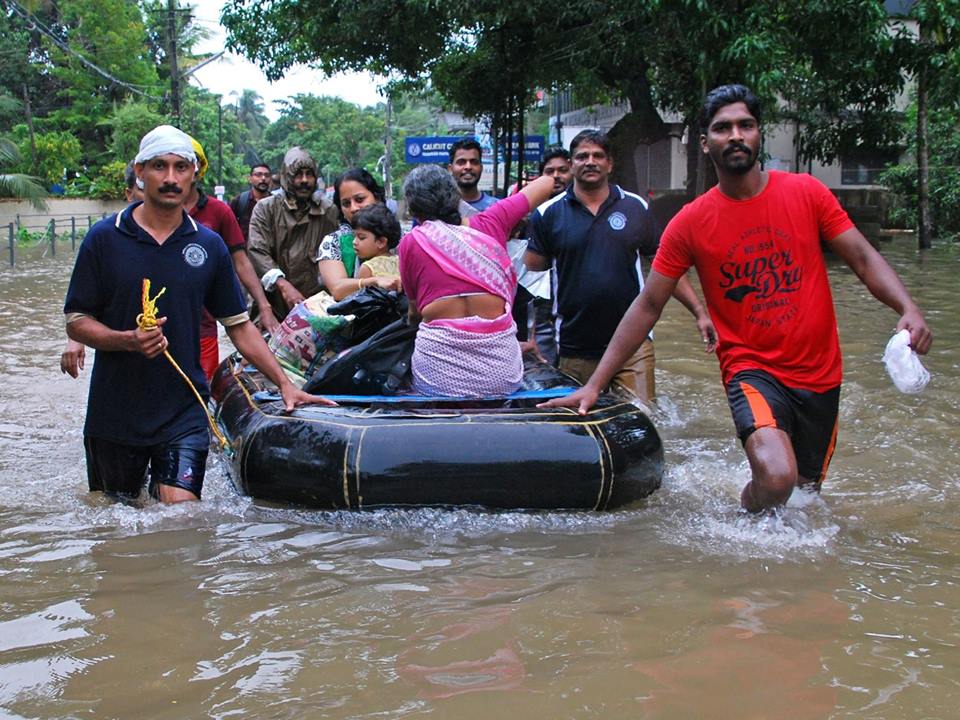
[[761, 264], [194, 255]]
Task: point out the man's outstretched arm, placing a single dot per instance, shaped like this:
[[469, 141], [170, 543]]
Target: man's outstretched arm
[[247, 339], [633, 329], [884, 284]]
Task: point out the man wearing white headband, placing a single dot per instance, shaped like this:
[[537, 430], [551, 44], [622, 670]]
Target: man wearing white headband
[[140, 411]]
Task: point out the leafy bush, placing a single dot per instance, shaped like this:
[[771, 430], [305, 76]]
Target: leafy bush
[[901, 180], [107, 184], [55, 153]]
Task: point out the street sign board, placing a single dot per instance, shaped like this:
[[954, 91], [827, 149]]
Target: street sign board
[[436, 148], [432, 149]]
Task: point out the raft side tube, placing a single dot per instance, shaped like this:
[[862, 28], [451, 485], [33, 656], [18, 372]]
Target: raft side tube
[[496, 454]]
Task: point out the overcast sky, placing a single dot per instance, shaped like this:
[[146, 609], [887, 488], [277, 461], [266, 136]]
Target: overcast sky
[[234, 74]]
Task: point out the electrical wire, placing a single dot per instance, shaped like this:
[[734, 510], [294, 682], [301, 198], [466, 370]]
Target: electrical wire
[[45, 31]]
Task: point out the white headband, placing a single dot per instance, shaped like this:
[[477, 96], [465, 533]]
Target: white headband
[[163, 140]]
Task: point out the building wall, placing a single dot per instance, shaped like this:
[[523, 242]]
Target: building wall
[[779, 146], [58, 209]]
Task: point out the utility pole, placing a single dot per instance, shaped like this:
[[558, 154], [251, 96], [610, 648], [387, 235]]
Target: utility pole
[[172, 56], [219, 141], [388, 150], [33, 140], [924, 216]]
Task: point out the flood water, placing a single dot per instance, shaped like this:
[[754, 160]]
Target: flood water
[[846, 606]]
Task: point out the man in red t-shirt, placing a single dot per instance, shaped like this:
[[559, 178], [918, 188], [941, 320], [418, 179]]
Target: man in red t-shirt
[[755, 242], [216, 215]]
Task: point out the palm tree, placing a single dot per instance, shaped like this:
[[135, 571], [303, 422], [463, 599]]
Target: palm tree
[[17, 185], [249, 107]]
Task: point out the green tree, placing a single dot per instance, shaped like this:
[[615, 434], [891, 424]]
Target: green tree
[[18, 185], [24, 72], [129, 122], [933, 57], [249, 111], [338, 134], [943, 175], [660, 55], [382, 36], [216, 129], [107, 34], [488, 75], [929, 193], [56, 153]]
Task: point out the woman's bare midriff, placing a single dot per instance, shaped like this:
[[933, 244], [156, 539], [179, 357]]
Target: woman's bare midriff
[[448, 308]]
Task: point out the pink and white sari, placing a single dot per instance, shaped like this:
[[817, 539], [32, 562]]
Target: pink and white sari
[[471, 356]]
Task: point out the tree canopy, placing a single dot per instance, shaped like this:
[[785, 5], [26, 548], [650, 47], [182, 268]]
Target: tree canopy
[[488, 57]]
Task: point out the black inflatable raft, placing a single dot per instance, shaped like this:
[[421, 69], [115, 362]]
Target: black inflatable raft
[[380, 451]]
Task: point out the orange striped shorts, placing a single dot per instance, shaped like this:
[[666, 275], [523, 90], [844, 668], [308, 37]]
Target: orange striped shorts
[[757, 400]]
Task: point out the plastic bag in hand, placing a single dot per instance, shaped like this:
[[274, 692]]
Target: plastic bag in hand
[[903, 365]]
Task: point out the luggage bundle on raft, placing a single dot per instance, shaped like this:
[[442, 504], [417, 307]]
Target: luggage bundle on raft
[[382, 448]]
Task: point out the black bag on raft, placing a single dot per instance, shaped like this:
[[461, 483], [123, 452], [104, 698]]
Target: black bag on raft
[[373, 308], [380, 365]]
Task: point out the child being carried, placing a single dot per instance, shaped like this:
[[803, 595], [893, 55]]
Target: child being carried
[[376, 233], [308, 336]]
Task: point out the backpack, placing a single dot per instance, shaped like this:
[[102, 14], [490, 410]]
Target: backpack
[[239, 206], [380, 365]]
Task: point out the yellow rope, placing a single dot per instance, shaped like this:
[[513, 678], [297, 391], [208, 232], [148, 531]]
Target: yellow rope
[[147, 320]]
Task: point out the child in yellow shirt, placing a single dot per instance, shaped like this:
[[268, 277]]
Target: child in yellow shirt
[[376, 232]]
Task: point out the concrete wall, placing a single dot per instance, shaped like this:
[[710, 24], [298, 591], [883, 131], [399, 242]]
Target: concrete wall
[[59, 209]]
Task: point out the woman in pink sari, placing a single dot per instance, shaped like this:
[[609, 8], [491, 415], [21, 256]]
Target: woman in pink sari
[[460, 283]]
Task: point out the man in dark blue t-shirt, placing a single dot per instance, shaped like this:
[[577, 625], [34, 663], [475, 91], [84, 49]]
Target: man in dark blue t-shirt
[[140, 411], [597, 233]]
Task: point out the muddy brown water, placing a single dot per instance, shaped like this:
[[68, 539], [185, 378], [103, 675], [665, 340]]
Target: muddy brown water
[[678, 607]]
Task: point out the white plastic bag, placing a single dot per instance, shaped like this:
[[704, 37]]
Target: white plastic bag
[[903, 365]]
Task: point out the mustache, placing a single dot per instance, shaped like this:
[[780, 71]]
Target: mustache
[[170, 189], [734, 147]]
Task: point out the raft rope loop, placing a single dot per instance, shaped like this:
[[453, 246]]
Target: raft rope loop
[[147, 320]]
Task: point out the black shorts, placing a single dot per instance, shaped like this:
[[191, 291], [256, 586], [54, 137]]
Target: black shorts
[[809, 418], [121, 470]]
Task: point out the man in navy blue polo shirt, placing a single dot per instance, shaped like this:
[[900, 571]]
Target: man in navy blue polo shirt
[[140, 411], [597, 232]]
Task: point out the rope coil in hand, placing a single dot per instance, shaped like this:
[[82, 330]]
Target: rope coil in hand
[[147, 320]]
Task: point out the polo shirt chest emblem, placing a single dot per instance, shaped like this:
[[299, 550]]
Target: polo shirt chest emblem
[[617, 221], [194, 255]]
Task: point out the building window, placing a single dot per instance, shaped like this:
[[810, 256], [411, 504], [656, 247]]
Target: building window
[[865, 166]]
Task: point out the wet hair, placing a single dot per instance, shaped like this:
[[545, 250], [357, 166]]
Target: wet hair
[[467, 143], [360, 175], [432, 194], [727, 95], [594, 137], [554, 152], [379, 220], [130, 175], [259, 165]]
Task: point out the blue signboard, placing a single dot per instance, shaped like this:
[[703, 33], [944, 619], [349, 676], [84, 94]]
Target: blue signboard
[[436, 148], [533, 148]]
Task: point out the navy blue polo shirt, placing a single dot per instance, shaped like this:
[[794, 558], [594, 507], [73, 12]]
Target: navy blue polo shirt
[[598, 263], [133, 400]]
